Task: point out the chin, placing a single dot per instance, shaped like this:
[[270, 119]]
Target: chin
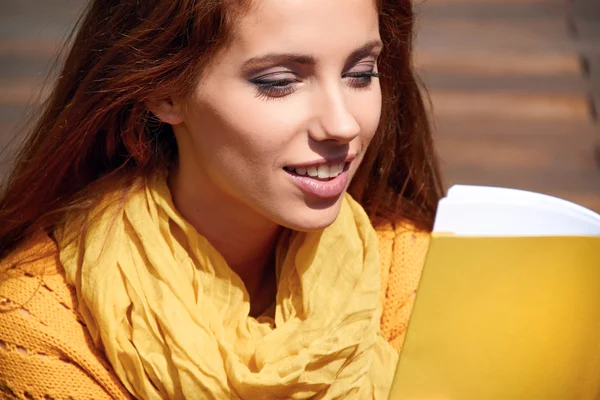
[[312, 215]]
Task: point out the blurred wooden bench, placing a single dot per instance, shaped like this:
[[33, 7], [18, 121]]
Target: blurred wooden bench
[[513, 105]]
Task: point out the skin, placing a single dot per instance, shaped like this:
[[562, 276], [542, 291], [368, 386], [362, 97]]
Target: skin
[[235, 135]]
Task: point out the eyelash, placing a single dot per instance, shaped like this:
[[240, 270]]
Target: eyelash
[[284, 87]]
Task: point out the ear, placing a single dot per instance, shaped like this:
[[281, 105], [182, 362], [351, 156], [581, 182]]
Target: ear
[[166, 110]]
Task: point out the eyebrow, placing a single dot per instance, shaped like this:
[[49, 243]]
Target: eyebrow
[[362, 52], [305, 59]]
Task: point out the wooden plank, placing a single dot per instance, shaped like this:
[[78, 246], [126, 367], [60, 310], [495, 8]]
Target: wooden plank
[[492, 10], [524, 151], [10, 140], [12, 67], [21, 47], [11, 115], [23, 91], [29, 18], [14, 121], [554, 85], [576, 130], [506, 2], [517, 96], [538, 36], [523, 135], [457, 103], [491, 63]]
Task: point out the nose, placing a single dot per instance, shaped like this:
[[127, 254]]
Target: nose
[[335, 120]]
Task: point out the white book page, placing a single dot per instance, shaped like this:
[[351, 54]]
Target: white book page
[[515, 196], [488, 211]]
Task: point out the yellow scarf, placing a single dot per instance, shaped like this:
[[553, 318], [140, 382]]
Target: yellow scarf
[[173, 320]]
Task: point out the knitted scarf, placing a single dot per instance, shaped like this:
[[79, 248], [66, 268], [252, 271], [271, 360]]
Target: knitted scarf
[[173, 318]]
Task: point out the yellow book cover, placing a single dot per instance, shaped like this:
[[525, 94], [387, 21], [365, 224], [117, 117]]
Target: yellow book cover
[[508, 306]]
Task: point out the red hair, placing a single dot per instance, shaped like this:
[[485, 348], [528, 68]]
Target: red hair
[[95, 129]]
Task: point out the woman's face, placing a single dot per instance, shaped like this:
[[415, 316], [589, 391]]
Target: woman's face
[[279, 123]]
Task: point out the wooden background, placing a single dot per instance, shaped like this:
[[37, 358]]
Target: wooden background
[[515, 86]]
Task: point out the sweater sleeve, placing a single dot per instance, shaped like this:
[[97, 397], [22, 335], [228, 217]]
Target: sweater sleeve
[[45, 350], [402, 250]]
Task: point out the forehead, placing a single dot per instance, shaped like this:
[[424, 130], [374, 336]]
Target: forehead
[[312, 26]]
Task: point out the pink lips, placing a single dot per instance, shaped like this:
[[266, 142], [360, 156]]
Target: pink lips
[[322, 189]]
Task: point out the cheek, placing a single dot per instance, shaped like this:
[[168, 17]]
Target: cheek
[[257, 141], [239, 149], [368, 114], [253, 129]]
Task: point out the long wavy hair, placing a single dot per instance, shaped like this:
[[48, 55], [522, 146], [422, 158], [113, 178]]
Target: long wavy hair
[[94, 130]]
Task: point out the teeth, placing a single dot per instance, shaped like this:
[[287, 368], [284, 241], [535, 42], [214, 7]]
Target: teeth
[[322, 171], [312, 171], [301, 171]]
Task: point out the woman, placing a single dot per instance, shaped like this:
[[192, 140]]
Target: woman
[[177, 225]]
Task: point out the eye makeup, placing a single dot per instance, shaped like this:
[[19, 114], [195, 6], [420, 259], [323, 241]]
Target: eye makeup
[[275, 85], [274, 88], [278, 87], [271, 82], [361, 80]]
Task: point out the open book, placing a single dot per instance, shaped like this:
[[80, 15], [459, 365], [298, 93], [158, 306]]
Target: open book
[[489, 211], [508, 306]]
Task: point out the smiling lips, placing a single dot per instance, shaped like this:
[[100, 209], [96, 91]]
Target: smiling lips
[[324, 181]]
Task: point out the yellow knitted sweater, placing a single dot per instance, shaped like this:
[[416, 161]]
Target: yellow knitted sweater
[[47, 353]]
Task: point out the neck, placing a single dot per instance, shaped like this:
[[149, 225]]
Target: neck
[[245, 239]]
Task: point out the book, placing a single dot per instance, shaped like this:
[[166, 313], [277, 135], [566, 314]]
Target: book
[[508, 306]]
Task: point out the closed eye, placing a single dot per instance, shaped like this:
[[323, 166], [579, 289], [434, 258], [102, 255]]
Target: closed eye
[[273, 88], [361, 80]]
